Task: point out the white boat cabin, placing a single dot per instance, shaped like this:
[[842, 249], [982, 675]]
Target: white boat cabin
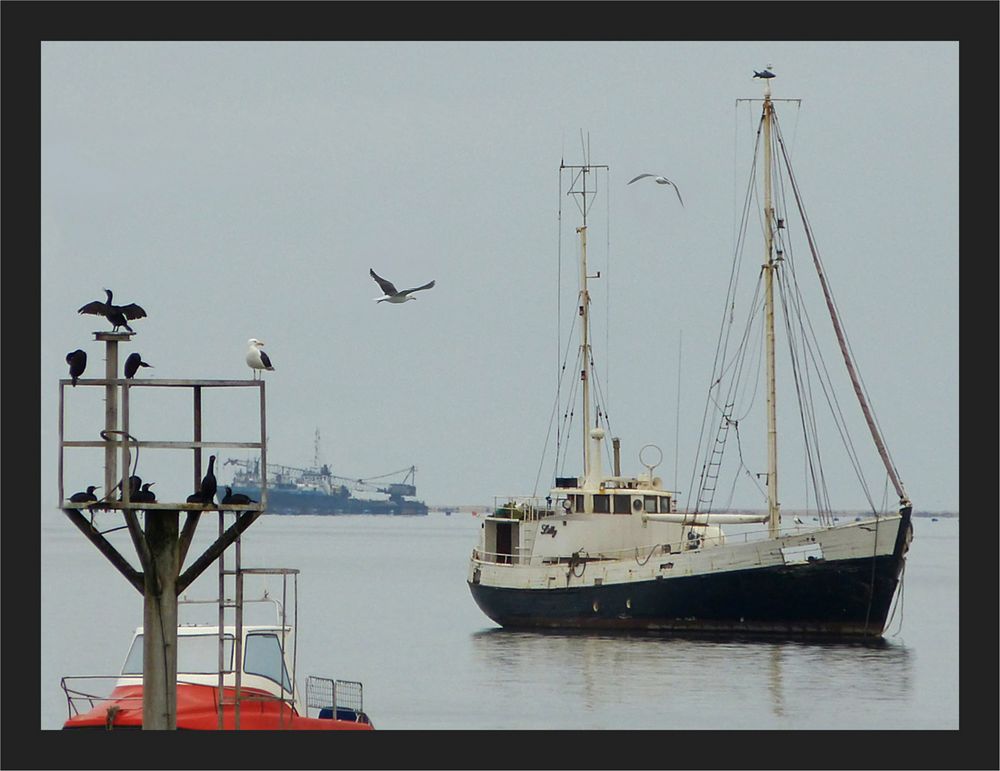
[[265, 658]]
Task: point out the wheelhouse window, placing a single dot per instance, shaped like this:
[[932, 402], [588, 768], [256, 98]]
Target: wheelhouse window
[[650, 503], [263, 657], [622, 503], [602, 504], [578, 502], [197, 654]]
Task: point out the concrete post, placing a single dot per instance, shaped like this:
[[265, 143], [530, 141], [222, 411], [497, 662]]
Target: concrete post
[[159, 652], [110, 406]]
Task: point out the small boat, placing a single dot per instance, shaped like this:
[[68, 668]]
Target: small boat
[[259, 693], [615, 551]]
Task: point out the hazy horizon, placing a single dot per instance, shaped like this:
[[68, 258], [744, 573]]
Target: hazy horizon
[[245, 189]]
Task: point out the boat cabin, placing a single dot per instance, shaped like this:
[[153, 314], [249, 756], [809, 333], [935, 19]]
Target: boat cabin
[[241, 678]]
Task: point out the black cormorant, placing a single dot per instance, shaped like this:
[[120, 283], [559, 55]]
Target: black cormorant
[[235, 498], [77, 361], [118, 315], [132, 364], [134, 485], [208, 484], [144, 495], [84, 497]]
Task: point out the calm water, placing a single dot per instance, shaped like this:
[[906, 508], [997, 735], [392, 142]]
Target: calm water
[[383, 600]]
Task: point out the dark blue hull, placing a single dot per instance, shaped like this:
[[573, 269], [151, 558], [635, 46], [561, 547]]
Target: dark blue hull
[[314, 502], [839, 598]]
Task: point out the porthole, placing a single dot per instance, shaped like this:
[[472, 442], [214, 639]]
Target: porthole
[[637, 504], [596, 606], [628, 603]]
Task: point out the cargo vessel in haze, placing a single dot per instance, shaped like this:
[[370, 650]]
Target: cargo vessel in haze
[[317, 490]]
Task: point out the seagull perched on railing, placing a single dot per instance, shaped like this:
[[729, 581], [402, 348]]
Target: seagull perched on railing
[[393, 295], [256, 359], [660, 181]]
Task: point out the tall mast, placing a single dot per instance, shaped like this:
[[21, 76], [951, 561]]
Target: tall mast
[[584, 302], [585, 336], [770, 266]]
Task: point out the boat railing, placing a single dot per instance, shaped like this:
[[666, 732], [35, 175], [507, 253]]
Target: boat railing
[[526, 508], [693, 541], [339, 699], [88, 691]]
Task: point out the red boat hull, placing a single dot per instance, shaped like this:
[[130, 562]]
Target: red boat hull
[[197, 710]]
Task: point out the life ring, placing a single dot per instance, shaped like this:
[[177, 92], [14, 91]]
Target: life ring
[[567, 505]]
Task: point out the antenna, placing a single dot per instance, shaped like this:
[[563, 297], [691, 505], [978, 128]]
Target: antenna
[[677, 419]]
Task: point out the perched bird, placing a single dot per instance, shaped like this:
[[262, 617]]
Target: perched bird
[[231, 497], [393, 295], [84, 497], [118, 315], [256, 359], [763, 74], [208, 483], [134, 485], [194, 498], [132, 364], [660, 181], [77, 361], [144, 495]]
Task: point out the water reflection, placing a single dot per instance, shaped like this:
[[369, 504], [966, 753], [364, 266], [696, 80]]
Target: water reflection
[[650, 680]]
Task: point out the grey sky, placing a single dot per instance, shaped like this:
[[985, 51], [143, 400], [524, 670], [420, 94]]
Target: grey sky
[[239, 190]]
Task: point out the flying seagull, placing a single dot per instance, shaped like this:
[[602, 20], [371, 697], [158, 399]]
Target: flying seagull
[[132, 364], [256, 359], [393, 295], [118, 315], [763, 74], [77, 361], [660, 181]]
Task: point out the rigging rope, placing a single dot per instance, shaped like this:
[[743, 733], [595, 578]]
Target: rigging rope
[[859, 387]]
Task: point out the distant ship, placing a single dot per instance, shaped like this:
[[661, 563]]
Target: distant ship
[[317, 490]]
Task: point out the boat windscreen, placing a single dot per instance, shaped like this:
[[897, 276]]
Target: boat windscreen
[[196, 655]]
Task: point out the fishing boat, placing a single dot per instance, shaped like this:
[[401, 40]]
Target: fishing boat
[[317, 490], [612, 551], [229, 677]]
